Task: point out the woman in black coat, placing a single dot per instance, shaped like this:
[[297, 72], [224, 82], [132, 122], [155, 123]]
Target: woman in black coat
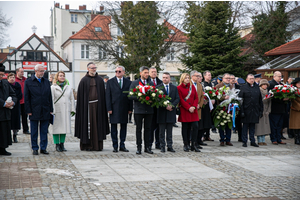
[[15, 113]]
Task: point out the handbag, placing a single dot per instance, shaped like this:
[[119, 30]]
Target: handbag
[[178, 110]]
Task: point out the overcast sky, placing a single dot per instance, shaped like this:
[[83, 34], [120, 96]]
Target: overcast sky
[[25, 14]]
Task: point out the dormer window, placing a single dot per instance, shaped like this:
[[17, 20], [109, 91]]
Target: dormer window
[[172, 32], [98, 29]]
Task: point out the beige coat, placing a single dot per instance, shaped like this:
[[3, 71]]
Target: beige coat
[[200, 98], [295, 114], [62, 109], [263, 127]]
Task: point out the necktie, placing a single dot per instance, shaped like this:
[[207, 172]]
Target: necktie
[[154, 82], [120, 82], [167, 89], [195, 84], [144, 82], [39, 79]]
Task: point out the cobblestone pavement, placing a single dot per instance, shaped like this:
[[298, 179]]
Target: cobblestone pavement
[[268, 172]]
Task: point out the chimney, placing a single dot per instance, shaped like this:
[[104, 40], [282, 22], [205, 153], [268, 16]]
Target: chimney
[[57, 5], [80, 8], [101, 8], [84, 7], [67, 6]]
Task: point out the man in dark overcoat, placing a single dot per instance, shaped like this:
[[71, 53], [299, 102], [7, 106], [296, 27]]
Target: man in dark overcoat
[[118, 106], [278, 109], [166, 116], [5, 112], [142, 112], [154, 126], [251, 109], [91, 120], [38, 106]]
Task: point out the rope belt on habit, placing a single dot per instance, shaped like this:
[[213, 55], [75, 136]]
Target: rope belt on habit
[[93, 101]]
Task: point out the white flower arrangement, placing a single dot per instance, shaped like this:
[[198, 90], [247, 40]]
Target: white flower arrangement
[[153, 94], [140, 94]]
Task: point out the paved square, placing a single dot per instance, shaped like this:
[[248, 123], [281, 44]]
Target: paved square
[[144, 169], [267, 166]]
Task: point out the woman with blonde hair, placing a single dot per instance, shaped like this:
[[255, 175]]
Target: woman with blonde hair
[[188, 112], [63, 109]]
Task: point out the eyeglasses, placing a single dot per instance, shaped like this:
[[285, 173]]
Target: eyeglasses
[[118, 71], [93, 67]]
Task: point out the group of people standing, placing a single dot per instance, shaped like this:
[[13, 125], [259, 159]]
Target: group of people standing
[[100, 103]]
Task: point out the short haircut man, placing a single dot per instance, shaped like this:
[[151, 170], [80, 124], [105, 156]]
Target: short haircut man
[[38, 105]]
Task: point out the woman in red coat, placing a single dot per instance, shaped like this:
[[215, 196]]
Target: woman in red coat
[[188, 112]]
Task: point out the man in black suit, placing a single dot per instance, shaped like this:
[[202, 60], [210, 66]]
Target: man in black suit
[[257, 78], [278, 109], [118, 106], [154, 126], [166, 116], [142, 112]]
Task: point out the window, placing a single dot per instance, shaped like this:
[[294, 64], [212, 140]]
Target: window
[[120, 51], [170, 53], [73, 18], [87, 20], [174, 80], [186, 51], [98, 29], [35, 56], [102, 53], [73, 32], [172, 32], [119, 31], [85, 51], [30, 55]]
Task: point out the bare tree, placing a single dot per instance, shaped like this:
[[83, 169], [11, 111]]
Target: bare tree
[[4, 24]]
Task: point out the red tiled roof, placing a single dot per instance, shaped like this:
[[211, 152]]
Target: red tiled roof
[[249, 37], [88, 31], [287, 48], [179, 35], [3, 55]]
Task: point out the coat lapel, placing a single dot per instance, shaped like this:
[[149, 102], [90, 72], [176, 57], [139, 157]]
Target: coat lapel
[[117, 82]]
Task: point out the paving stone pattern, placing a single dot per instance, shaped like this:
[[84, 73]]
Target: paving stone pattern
[[264, 173]]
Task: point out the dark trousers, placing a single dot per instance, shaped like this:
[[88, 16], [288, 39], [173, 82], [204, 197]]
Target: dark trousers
[[276, 122], [238, 127], [154, 131], [147, 128], [201, 134], [34, 125], [251, 128], [225, 136], [114, 135], [187, 128], [166, 127], [24, 118]]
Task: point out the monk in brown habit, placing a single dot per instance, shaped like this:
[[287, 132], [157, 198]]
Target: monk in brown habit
[[91, 121]]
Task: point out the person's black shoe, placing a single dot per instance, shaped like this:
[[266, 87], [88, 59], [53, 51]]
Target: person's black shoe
[[194, 148], [202, 143], [157, 147], [186, 148], [115, 150], [171, 149], [163, 150], [58, 148], [130, 121], [62, 146], [199, 147], [44, 152], [244, 144], [123, 149], [15, 138], [175, 125], [138, 151], [254, 144], [147, 150], [26, 132], [3, 152], [35, 152], [283, 138]]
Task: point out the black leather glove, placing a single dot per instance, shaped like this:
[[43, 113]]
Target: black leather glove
[[242, 115]]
